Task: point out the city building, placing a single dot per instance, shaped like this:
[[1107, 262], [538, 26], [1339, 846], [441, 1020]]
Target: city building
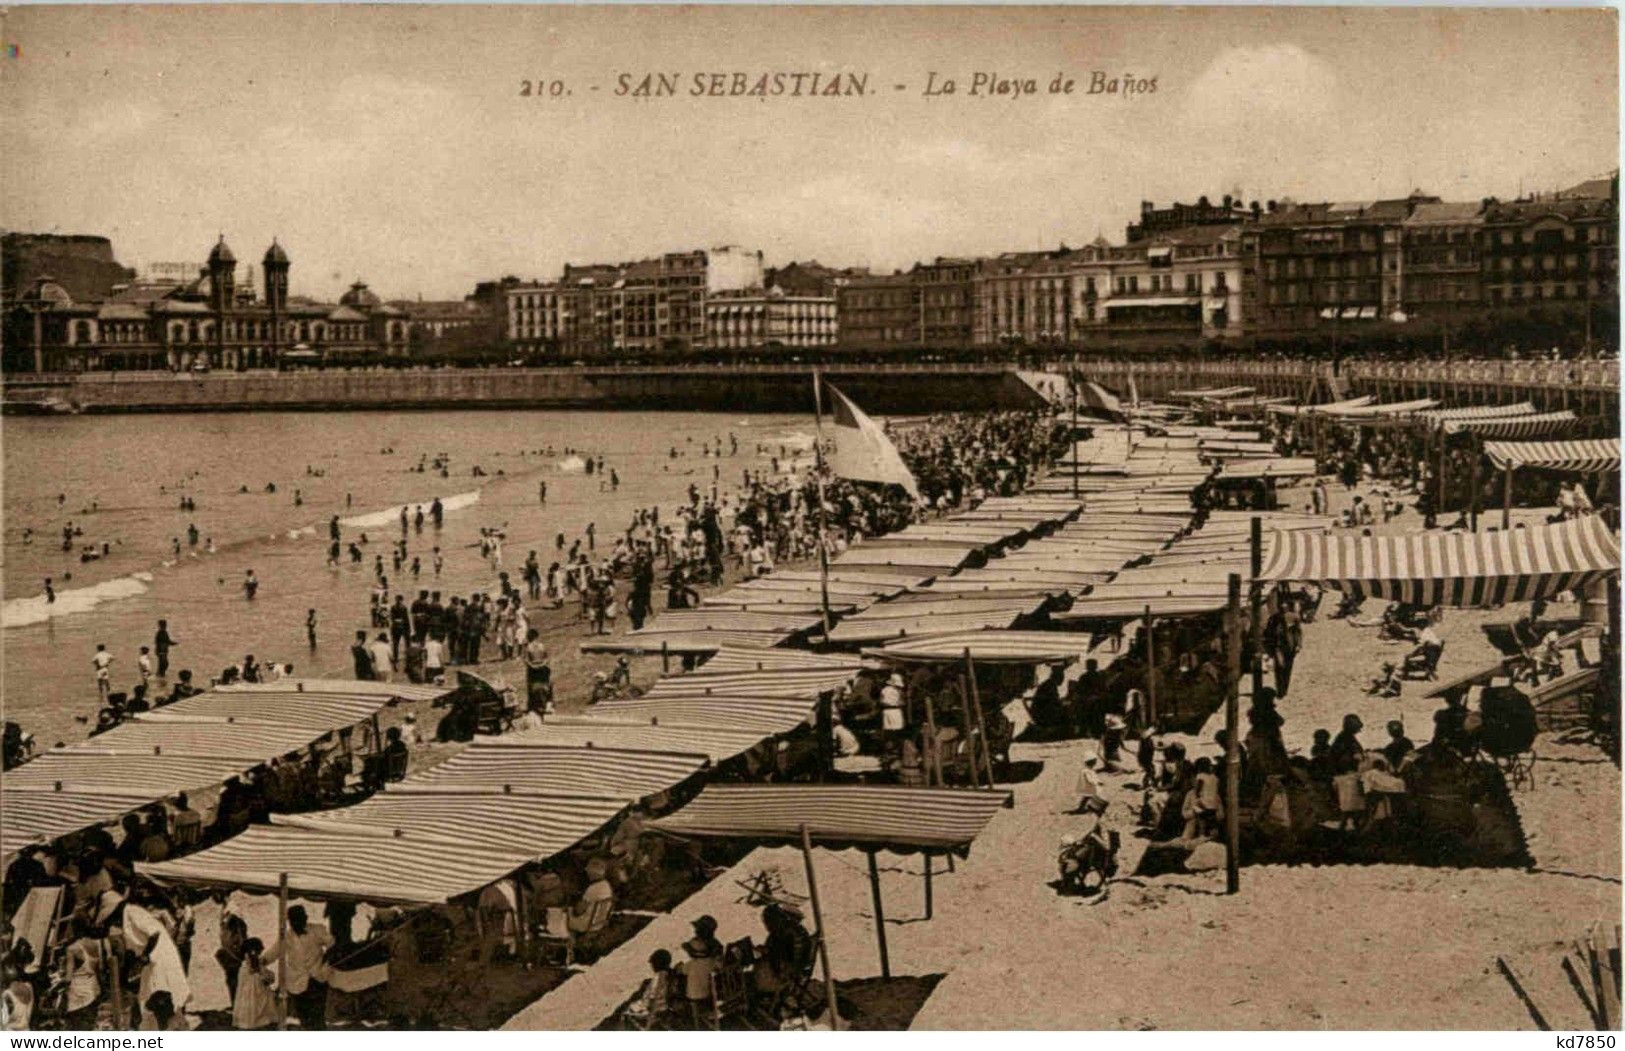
[[1318, 264], [1024, 297], [646, 306], [1557, 250], [1439, 267], [880, 311], [947, 301], [1177, 216], [811, 278], [203, 323], [749, 318], [1180, 282]]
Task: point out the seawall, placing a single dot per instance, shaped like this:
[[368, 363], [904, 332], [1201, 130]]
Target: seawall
[[1589, 387]]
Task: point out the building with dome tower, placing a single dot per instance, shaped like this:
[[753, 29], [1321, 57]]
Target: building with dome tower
[[208, 322]]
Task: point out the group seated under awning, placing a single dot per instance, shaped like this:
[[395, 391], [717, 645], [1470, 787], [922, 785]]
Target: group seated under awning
[[193, 745]]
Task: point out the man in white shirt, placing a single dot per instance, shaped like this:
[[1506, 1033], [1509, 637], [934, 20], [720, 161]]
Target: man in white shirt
[[102, 662], [383, 667], [434, 658], [306, 949]]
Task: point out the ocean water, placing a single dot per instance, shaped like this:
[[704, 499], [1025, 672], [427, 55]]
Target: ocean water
[[120, 480]]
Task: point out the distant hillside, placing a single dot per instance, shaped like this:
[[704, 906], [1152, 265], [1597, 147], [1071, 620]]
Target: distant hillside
[[81, 263]]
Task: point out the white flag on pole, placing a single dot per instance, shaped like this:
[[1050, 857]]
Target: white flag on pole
[[862, 450]]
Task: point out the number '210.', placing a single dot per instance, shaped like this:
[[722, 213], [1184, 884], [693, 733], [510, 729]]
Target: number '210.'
[[554, 88]]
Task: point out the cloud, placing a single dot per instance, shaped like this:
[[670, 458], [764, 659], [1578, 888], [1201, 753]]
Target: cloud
[[1256, 86]]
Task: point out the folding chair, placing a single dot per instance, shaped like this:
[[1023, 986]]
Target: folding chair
[[730, 998]]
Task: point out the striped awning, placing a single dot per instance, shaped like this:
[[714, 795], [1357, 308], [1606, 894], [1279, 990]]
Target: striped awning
[[852, 632], [41, 814], [840, 816], [504, 764], [384, 692], [155, 776], [878, 554], [1452, 568], [362, 864], [529, 824], [762, 716], [1539, 425], [317, 713], [1011, 647], [251, 742], [1590, 457]]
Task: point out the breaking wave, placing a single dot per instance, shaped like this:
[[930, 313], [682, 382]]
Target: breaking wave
[[392, 514], [21, 612]]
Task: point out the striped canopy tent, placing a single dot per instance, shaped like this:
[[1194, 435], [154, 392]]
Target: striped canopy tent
[[155, 776], [762, 716], [707, 630], [39, 814], [728, 659], [1018, 582], [1538, 425], [877, 817], [715, 743], [992, 646], [251, 741], [1233, 449], [807, 604], [362, 865], [1452, 568], [504, 764], [317, 711], [1594, 456]]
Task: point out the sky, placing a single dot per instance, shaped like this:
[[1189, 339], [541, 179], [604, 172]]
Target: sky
[[394, 144]]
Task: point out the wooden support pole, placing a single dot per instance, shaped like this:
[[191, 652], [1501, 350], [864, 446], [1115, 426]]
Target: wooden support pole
[[1255, 602], [282, 951], [974, 696], [928, 867], [1506, 498], [1476, 452], [665, 657], [818, 922], [1232, 745], [880, 915]]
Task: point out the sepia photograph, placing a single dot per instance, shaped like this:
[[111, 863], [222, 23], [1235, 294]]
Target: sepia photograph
[[709, 519]]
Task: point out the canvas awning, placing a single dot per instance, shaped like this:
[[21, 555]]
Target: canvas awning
[[364, 865], [1210, 392], [763, 716], [1177, 605], [317, 712], [1539, 425], [1278, 467], [715, 743], [155, 776], [39, 814], [1394, 408], [884, 817], [991, 646], [502, 764], [780, 682], [759, 660], [1452, 568], [1589, 457], [859, 631]]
